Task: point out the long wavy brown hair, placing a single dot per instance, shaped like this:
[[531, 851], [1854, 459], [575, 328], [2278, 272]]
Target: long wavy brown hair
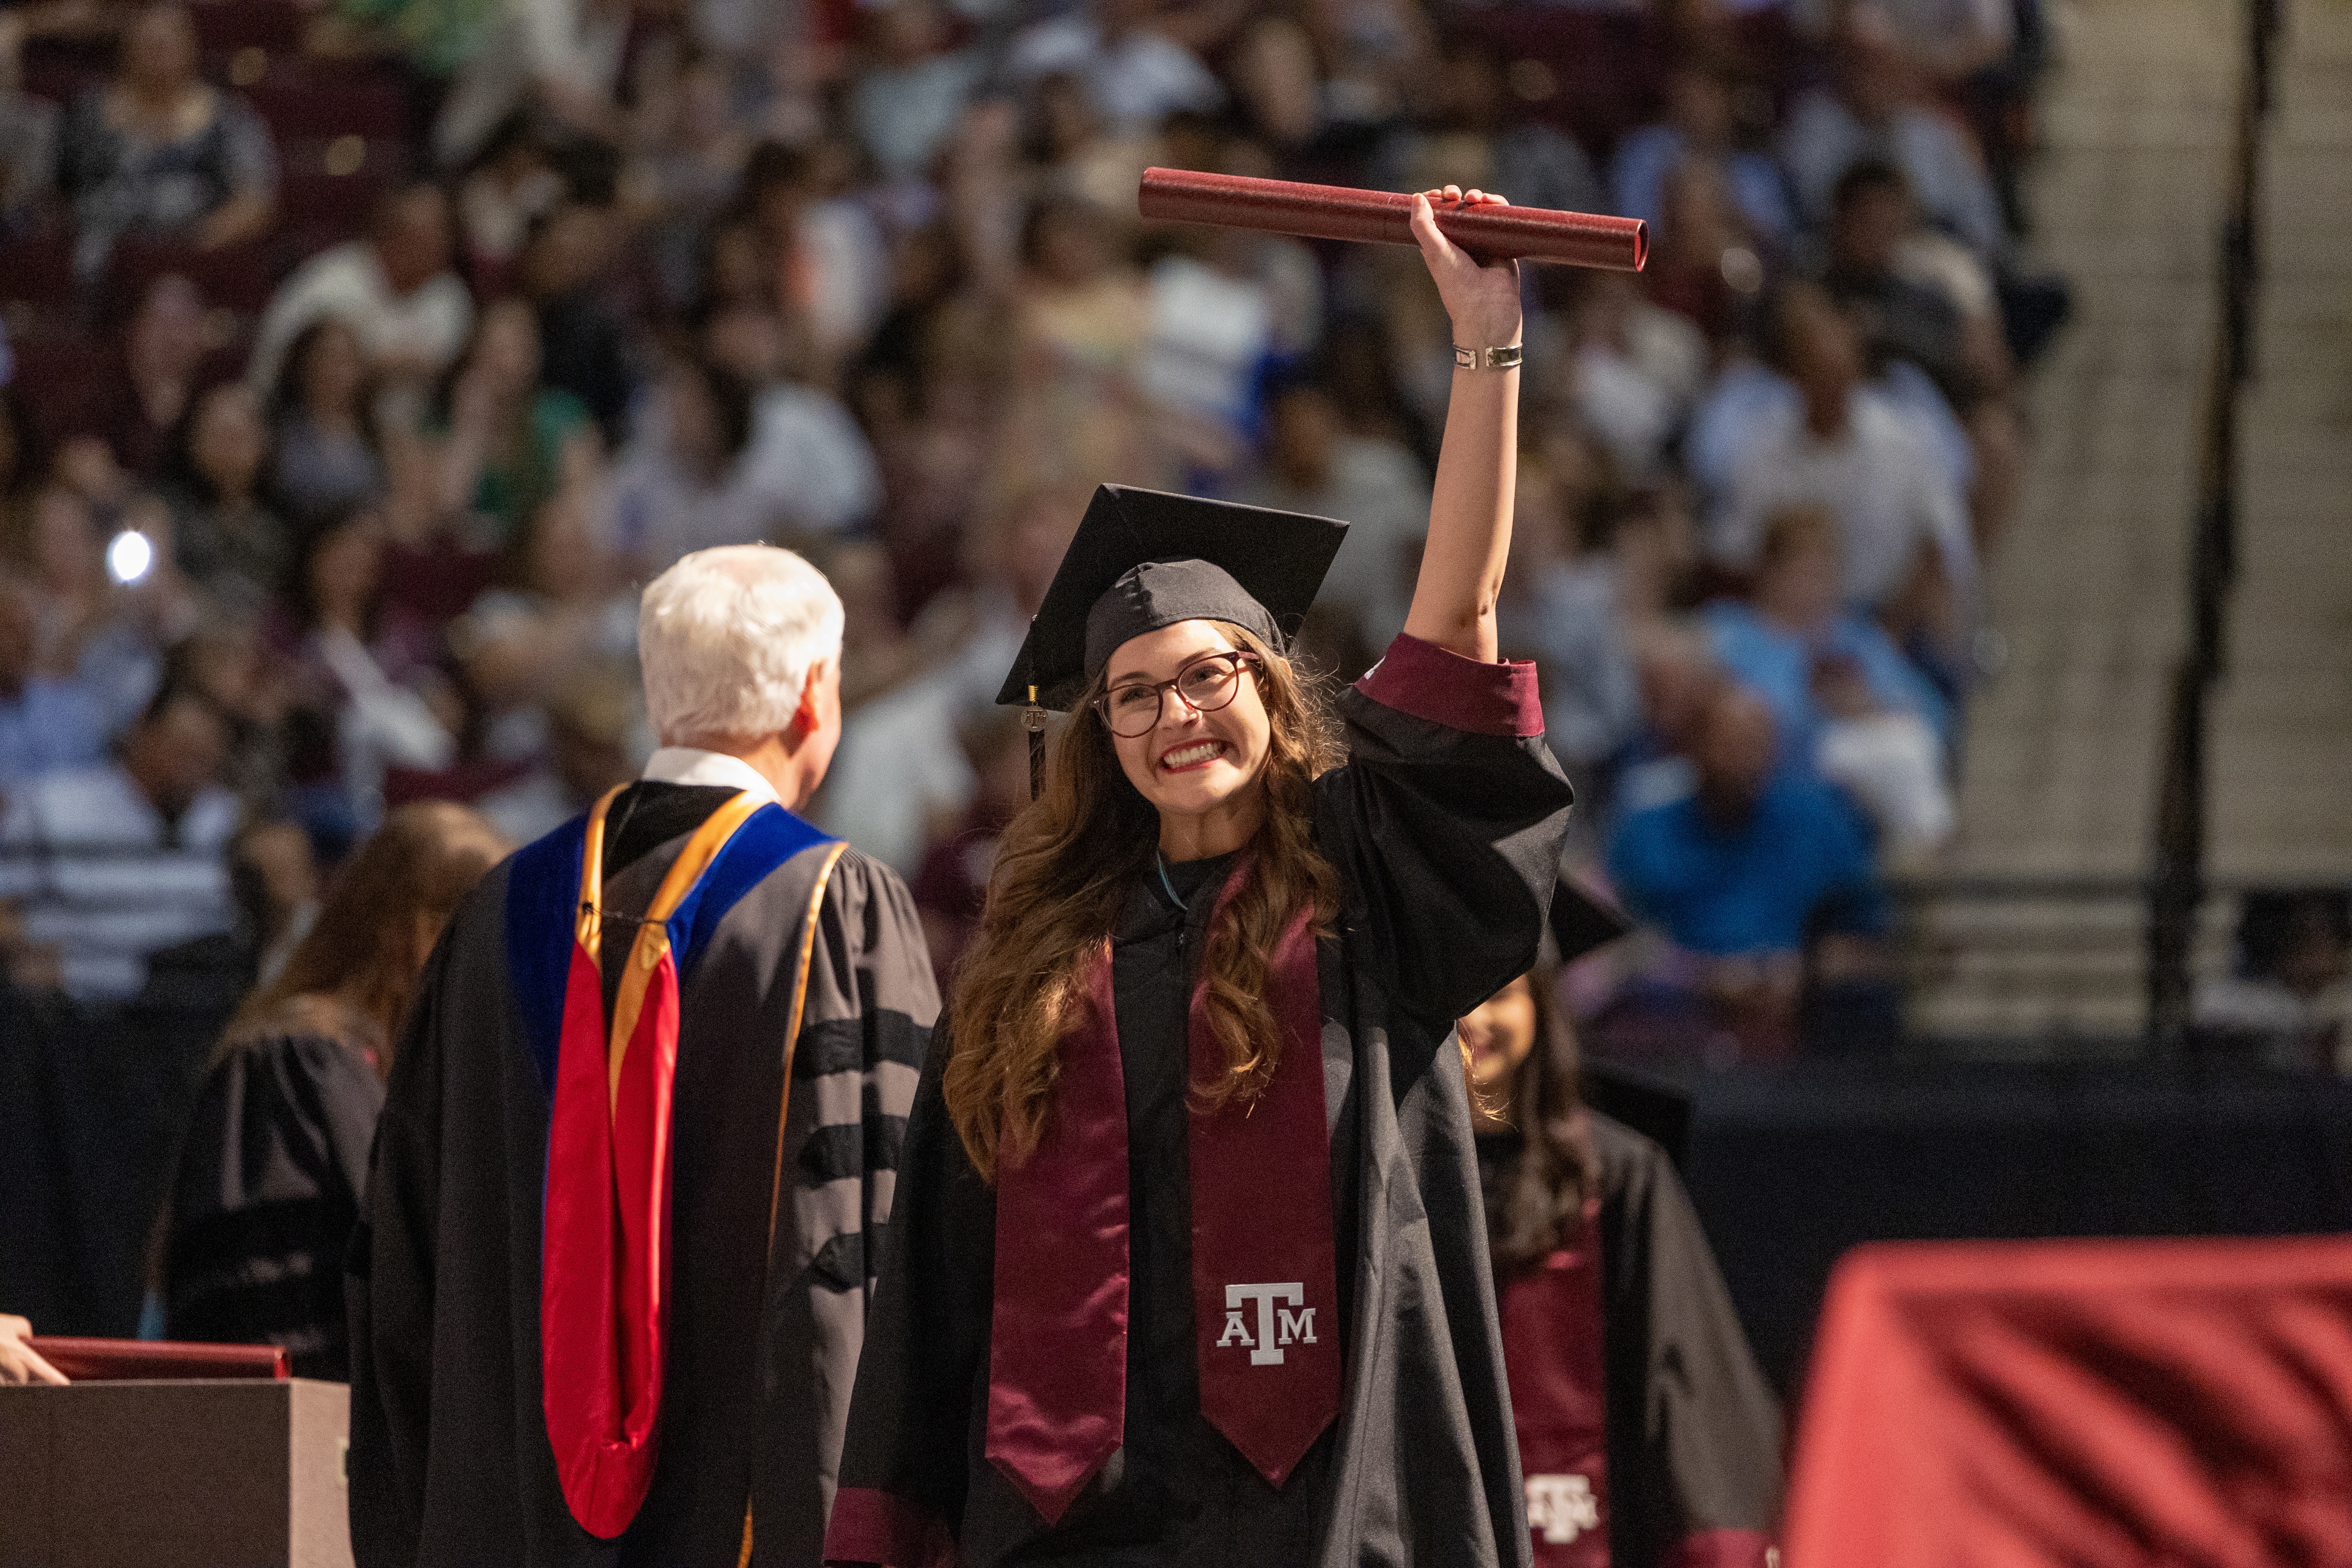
[[1536, 1201], [356, 971], [1063, 870]]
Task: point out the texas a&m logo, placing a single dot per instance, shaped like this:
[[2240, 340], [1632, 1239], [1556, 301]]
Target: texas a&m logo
[[1561, 1508], [1278, 1325]]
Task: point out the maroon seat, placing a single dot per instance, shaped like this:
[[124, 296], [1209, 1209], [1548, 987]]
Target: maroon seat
[[240, 277], [37, 269], [224, 26], [61, 380], [317, 210], [319, 106], [1606, 70], [60, 69], [1770, 52]]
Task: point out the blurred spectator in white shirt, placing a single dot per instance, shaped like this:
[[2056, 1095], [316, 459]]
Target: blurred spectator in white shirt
[[1315, 466], [1946, 38], [108, 865], [558, 60], [1133, 71], [367, 673], [562, 605], [685, 482], [909, 99], [1633, 368], [2288, 1003], [1842, 448], [394, 288], [1878, 110], [1887, 760]]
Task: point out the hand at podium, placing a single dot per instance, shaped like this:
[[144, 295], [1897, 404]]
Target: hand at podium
[[20, 1362]]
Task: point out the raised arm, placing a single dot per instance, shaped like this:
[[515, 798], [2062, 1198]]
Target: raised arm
[[1477, 465]]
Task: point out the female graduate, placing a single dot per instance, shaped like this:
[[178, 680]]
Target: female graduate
[[1648, 1436], [1186, 1263]]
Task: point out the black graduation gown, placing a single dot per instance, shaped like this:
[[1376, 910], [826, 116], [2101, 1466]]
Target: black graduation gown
[[1692, 1429], [270, 1175], [450, 1461], [1446, 841]]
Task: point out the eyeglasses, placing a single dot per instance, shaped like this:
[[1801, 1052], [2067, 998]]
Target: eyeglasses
[[1205, 685]]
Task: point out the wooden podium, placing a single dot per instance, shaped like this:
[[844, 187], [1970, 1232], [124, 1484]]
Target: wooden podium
[[199, 1474]]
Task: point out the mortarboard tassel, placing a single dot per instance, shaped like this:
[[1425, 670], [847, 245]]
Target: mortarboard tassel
[[1033, 720]]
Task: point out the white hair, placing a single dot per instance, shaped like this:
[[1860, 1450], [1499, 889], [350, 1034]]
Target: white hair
[[727, 637]]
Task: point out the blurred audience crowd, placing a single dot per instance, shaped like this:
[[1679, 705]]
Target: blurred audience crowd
[[360, 356]]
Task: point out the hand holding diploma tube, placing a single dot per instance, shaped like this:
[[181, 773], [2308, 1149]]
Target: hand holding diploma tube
[[1491, 231]]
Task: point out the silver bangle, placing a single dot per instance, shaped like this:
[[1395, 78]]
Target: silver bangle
[[1486, 359]]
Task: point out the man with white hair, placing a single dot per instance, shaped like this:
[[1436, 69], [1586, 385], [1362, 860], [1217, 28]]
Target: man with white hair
[[639, 1135]]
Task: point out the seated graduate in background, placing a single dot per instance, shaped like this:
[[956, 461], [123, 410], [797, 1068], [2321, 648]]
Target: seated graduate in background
[[609, 1298], [1186, 1266], [273, 1167], [1648, 1437]]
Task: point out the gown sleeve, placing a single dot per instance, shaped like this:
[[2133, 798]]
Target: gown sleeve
[[388, 1292], [1694, 1430], [1445, 824], [872, 1005], [903, 1467], [267, 1189]]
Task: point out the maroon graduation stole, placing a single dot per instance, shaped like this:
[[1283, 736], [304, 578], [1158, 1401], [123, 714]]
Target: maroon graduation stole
[[1552, 1348], [1264, 1273], [605, 1258]]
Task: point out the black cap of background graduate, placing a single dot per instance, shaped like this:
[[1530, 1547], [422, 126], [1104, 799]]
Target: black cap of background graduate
[[1142, 560], [1582, 921]]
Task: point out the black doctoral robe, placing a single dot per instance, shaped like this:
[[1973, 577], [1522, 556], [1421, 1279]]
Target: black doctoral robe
[[450, 1461], [1444, 828]]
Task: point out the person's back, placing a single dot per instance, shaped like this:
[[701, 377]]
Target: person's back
[[521, 1394], [273, 1167]]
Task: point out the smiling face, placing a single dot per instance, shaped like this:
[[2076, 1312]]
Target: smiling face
[[1191, 763], [1499, 1034]]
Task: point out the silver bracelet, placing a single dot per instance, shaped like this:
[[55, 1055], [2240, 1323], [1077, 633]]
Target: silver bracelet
[[1486, 359]]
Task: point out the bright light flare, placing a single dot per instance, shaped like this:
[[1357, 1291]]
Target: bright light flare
[[129, 555]]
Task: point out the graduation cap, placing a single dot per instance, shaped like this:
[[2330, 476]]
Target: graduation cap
[[1582, 920], [1143, 559]]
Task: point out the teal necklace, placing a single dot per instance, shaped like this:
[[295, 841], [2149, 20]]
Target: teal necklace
[[1160, 860]]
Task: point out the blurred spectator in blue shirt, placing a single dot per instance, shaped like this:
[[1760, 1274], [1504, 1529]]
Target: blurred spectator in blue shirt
[[1770, 641], [45, 723], [1700, 123], [1741, 868]]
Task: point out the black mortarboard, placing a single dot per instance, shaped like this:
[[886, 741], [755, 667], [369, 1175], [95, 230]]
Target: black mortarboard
[[1143, 559], [1582, 921]]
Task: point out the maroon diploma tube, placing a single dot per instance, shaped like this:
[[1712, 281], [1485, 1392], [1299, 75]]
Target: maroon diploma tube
[[1384, 217]]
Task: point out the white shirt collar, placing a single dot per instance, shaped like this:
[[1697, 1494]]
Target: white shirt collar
[[693, 765]]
